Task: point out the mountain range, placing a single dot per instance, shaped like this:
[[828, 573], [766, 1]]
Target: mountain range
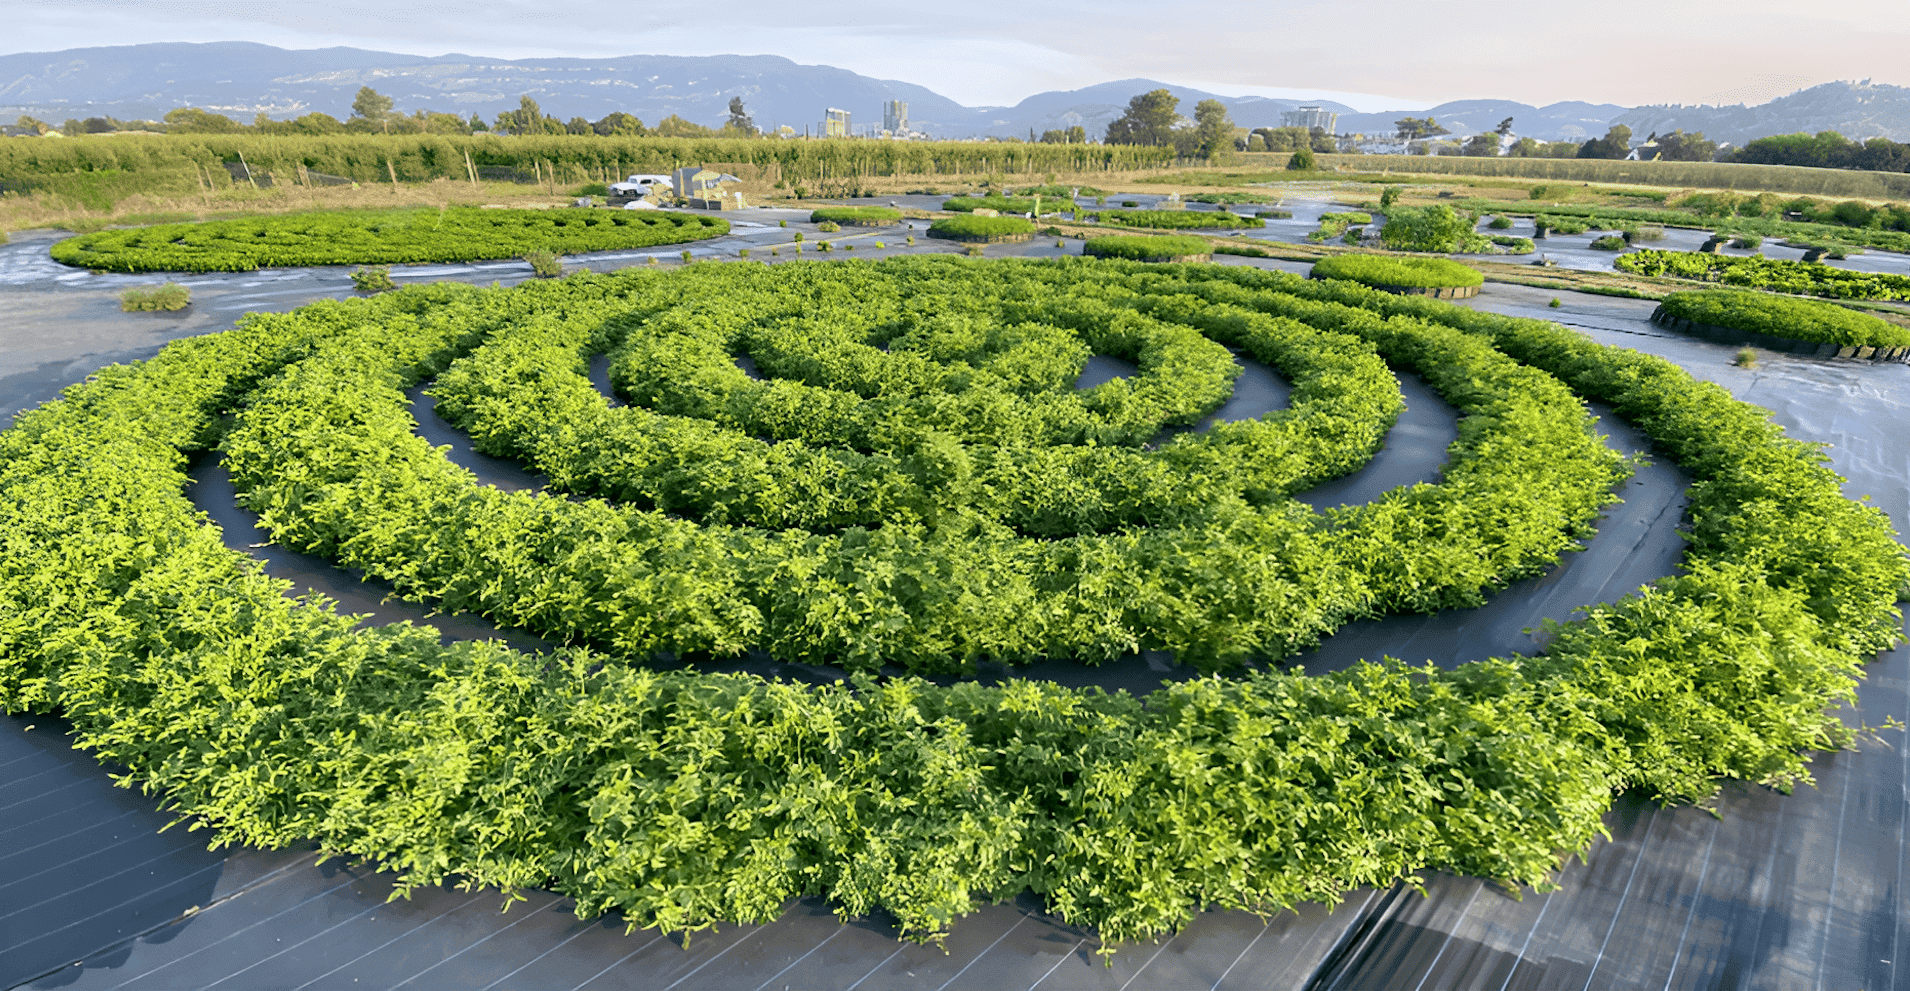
[[1852, 109], [243, 79]]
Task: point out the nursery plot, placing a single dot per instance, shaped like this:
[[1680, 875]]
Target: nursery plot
[[916, 381], [378, 237]]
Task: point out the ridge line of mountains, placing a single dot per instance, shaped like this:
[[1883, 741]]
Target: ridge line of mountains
[[243, 79]]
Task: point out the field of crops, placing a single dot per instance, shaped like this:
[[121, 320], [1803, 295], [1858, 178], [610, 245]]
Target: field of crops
[[378, 237], [1779, 316], [916, 483], [1689, 175], [99, 172], [1758, 272]]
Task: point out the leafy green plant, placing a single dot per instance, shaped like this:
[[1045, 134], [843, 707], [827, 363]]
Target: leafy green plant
[[1758, 272], [1780, 316], [1380, 270], [863, 215], [166, 296], [1746, 358], [1500, 223], [1610, 242], [686, 256], [1556, 303], [1148, 248], [373, 279], [972, 228], [546, 264], [652, 793], [1749, 241], [782, 223], [1437, 229], [1177, 219], [828, 227], [377, 237]]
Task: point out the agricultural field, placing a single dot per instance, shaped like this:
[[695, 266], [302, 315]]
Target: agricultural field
[[378, 238], [914, 482]]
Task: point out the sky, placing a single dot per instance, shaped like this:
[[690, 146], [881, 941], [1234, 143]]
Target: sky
[[1370, 54]]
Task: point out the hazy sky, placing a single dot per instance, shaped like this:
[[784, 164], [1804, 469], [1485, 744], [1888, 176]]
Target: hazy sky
[[1372, 54]]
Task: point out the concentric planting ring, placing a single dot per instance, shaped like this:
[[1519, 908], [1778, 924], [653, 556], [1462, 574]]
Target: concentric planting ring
[[946, 500], [686, 800]]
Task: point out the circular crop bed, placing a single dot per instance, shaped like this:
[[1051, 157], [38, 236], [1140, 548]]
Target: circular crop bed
[[1781, 322], [377, 237], [1175, 220], [986, 230], [1144, 248], [1438, 277], [857, 216], [916, 483]]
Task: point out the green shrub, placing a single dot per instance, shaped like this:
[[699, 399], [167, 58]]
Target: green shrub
[[1235, 248], [378, 237], [1002, 204], [659, 794], [1513, 245], [824, 246], [974, 251], [782, 223], [1225, 198], [742, 252], [1175, 220], [1274, 214], [686, 256], [1759, 272], [1149, 247], [1647, 232], [1748, 241], [1130, 203], [862, 215], [167, 296], [828, 227], [982, 228], [798, 236], [1563, 225], [1556, 303], [1380, 270], [373, 279], [1436, 229], [545, 264], [1611, 242], [1302, 161], [1747, 358], [591, 189], [1782, 316], [1500, 223], [910, 240]]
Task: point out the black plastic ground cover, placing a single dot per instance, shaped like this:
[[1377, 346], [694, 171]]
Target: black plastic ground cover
[[1778, 892]]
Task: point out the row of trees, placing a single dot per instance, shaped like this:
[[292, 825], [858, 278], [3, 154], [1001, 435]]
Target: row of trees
[[1153, 119], [1825, 150], [372, 113]]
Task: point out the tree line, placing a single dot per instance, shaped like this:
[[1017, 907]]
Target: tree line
[[372, 113]]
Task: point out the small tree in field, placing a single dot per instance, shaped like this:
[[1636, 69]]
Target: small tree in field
[[1302, 161]]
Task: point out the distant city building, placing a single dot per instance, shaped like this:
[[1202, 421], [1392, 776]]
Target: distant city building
[[895, 117], [836, 124], [1311, 117]]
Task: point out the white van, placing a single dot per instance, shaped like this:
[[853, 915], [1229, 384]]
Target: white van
[[641, 185]]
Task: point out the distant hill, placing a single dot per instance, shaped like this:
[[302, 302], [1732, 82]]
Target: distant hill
[[1855, 110], [242, 79], [1571, 121]]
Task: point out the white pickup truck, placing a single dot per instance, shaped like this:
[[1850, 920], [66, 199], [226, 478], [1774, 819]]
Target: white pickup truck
[[641, 185]]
